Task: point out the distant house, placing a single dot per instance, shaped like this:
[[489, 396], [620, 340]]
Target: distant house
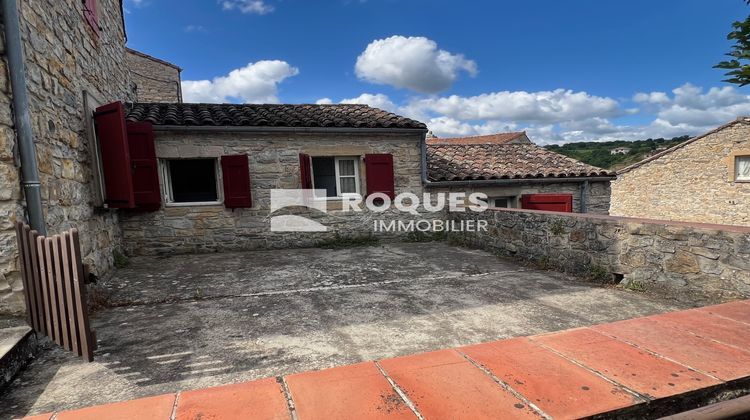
[[499, 138], [705, 179], [516, 173], [202, 175], [155, 80], [620, 151]]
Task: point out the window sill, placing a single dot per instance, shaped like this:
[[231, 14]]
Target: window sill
[[334, 199], [196, 204]]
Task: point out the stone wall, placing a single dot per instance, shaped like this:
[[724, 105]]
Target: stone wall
[[273, 163], [684, 260], [156, 80], [692, 183], [598, 194], [64, 58]]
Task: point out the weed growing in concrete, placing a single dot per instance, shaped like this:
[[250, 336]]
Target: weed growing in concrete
[[121, 261], [635, 286], [543, 262], [98, 298], [598, 274]]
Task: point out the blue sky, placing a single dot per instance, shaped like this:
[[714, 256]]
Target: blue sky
[[562, 70]]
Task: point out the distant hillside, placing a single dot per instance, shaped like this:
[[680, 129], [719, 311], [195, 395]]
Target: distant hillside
[[598, 153]]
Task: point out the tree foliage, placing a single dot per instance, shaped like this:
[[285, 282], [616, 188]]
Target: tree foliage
[[598, 153], [739, 63]]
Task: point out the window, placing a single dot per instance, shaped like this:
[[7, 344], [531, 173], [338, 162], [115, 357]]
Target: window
[[742, 168], [191, 181], [339, 176], [502, 202]]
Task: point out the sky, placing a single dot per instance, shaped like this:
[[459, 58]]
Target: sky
[[564, 71]]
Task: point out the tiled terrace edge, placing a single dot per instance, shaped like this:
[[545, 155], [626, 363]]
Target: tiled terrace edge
[[685, 260], [664, 364]]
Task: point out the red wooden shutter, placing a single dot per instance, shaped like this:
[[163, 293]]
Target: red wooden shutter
[[548, 202], [91, 15], [113, 145], [379, 172], [146, 191], [236, 174], [305, 171]]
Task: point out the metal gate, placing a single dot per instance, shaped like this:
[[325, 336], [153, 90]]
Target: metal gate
[[54, 289]]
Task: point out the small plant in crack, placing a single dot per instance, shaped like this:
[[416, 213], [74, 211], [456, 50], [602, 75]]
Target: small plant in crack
[[557, 227], [636, 286], [120, 260], [598, 274]]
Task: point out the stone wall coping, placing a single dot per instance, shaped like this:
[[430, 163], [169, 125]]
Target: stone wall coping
[[620, 219]]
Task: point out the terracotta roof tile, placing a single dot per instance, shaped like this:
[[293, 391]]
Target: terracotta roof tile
[[249, 115], [499, 138], [502, 161]]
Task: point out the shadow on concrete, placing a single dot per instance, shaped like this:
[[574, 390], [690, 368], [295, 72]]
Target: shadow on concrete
[[188, 322]]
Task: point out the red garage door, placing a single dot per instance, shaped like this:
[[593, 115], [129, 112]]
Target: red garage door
[[549, 202]]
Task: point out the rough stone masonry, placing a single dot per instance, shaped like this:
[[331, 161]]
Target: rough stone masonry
[[67, 63], [684, 260]]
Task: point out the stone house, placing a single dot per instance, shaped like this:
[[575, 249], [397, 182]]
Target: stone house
[[705, 179], [518, 137], [516, 173], [620, 151], [203, 174], [156, 80], [72, 52]]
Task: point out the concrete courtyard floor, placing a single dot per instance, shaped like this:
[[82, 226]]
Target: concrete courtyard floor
[[194, 321]]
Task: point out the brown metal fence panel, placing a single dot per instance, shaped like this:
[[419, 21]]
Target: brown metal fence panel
[[55, 293]]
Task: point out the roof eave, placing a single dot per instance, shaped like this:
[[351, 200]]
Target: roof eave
[[493, 182], [256, 129]]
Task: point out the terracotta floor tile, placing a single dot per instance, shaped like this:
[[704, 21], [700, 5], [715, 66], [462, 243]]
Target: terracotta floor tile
[[559, 387], [45, 416], [738, 311], [724, 330], [634, 368], [156, 408], [443, 384], [349, 392], [722, 361], [262, 399]]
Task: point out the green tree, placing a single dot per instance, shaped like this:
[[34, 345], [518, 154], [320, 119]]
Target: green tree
[[738, 65]]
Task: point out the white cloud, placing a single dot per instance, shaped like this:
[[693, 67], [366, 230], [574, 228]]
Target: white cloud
[[651, 98], [538, 107], [257, 7], [324, 101], [562, 115], [376, 101], [690, 108], [414, 63], [254, 83]]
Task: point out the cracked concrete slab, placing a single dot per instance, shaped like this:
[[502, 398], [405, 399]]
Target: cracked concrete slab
[[188, 322]]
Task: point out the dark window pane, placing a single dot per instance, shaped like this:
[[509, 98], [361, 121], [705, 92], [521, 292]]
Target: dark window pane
[[501, 202], [324, 175], [193, 180]]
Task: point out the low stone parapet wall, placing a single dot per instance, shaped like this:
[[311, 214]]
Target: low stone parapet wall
[[687, 260]]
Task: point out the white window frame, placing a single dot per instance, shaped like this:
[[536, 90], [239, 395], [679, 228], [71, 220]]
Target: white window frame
[[166, 175], [336, 160], [737, 176]]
